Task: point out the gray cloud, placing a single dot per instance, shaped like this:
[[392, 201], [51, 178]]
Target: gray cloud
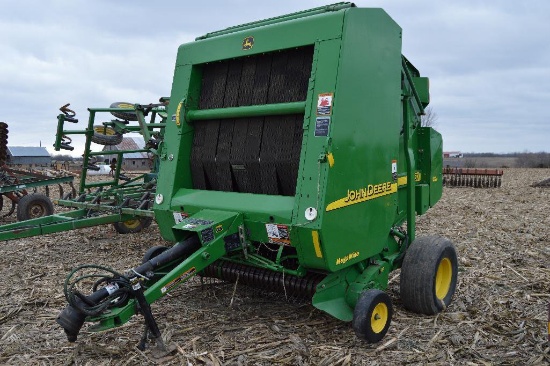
[[488, 62]]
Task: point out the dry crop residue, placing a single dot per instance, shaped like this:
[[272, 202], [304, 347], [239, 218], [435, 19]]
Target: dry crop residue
[[498, 316]]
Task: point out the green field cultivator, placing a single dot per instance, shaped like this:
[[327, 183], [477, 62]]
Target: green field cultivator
[[123, 200], [21, 187], [472, 177], [293, 160]]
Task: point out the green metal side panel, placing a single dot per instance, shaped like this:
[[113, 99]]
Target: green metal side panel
[[275, 209], [422, 199], [430, 163], [174, 171], [312, 175], [361, 199], [436, 149], [422, 86], [289, 34]]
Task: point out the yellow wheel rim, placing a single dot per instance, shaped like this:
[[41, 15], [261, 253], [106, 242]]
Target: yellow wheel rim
[[443, 278], [104, 130], [131, 224], [379, 317]]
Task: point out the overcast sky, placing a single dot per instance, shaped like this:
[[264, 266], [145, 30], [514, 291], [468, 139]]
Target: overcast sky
[[488, 61]]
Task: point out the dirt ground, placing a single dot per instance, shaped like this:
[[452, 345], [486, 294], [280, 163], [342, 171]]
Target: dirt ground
[[498, 315]]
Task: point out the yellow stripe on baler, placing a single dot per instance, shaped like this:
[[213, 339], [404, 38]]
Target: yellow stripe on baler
[[316, 244]]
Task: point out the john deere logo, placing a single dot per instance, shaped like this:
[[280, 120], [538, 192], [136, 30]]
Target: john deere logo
[[248, 42]]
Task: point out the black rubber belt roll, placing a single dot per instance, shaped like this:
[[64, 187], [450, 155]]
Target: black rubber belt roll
[[253, 155]]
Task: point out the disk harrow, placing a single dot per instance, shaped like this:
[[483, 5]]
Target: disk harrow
[[21, 187], [472, 177]]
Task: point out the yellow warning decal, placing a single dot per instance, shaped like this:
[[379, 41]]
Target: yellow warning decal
[[367, 193], [402, 181], [330, 159], [178, 112], [176, 281]]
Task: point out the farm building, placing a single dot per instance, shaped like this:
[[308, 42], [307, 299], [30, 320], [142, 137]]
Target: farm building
[[28, 156], [131, 161]]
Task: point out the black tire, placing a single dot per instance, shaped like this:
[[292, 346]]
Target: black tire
[[132, 226], [146, 222], [32, 206], [428, 275], [106, 136], [372, 315], [153, 252], [127, 116]]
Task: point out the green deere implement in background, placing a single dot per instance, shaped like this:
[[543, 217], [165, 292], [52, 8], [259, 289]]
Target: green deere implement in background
[[124, 201], [293, 160]]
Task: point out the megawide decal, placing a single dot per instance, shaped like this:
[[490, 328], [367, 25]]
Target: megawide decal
[[367, 193], [346, 258], [248, 43]]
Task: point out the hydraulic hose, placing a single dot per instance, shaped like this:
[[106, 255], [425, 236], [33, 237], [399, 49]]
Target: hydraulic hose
[[117, 290]]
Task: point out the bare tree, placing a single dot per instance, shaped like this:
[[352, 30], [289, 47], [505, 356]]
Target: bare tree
[[62, 157], [429, 119]]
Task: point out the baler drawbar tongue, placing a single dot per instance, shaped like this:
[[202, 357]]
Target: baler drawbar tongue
[[472, 177]]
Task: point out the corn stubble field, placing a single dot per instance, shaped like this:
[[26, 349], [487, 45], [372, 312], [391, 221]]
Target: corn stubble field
[[498, 315]]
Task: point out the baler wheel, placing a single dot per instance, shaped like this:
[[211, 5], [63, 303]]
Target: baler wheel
[[133, 225], [106, 136], [32, 206], [127, 116], [372, 315], [429, 275]]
